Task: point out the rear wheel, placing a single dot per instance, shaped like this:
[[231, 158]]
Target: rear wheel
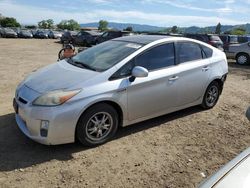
[[97, 125], [242, 59], [211, 96]]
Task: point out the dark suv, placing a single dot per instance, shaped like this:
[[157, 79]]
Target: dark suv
[[228, 39], [85, 38], [108, 35], [68, 36], [211, 39]]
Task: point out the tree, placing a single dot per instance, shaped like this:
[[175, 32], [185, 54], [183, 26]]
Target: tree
[[46, 24], [174, 29], [9, 22], [129, 28], [238, 31], [218, 29], [103, 25], [69, 25]]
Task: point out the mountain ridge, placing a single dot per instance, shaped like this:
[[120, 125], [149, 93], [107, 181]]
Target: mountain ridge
[[151, 28]]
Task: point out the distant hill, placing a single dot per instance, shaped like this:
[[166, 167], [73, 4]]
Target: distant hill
[[192, 29], [121, 26]]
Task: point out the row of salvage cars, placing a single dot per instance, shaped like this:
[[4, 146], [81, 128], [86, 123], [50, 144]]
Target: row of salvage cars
[[26, 33]]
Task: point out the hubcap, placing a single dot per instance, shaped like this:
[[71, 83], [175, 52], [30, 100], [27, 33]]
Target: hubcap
[[212, 96], [99, 126], [242, 59]]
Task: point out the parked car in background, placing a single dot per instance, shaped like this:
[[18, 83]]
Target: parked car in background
[[9, 33], [239, 52], [108, 35], [40, 34], [118, 83], [25, 34], [211, 39], [228, 40], [54, 34], [248, 113], [1, 31], [68, 36], [85, 38]]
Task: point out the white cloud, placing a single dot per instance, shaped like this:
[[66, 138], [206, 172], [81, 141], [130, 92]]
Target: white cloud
[[31, 14]]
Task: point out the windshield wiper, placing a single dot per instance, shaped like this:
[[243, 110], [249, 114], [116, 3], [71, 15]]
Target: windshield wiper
[[82, 65]]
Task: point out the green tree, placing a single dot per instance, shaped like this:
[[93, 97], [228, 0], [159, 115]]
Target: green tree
[[174, 29], [69, 25], [9, 22], [238, 31], [103, 25], [218, 29], [46, 24], [129, 28]]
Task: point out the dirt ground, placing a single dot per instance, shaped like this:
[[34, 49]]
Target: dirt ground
[[169, 151]]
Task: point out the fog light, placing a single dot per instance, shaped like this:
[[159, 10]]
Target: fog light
[[44, 128]]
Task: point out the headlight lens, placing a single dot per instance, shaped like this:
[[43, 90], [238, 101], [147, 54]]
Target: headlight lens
[[55, 98]]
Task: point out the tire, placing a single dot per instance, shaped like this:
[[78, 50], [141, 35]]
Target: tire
[[242, 59], [91, 128], [211, 95]]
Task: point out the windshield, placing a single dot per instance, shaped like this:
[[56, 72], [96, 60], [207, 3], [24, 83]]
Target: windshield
[[104, 55]]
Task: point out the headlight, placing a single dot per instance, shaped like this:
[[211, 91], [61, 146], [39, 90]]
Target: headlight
[[55, 98]]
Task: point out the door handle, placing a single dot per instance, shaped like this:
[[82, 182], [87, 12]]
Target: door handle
[[206, 68], [173, 78]]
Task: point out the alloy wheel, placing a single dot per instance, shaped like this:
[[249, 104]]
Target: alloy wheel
[[99, 126], [212, 96]]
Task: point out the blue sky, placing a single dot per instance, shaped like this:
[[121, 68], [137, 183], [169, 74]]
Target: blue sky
[[152, 12]]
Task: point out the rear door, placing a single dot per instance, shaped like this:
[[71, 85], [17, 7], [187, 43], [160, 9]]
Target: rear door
[[193, 71]]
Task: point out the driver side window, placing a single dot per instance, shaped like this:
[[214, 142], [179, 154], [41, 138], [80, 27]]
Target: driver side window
[[158, 57]]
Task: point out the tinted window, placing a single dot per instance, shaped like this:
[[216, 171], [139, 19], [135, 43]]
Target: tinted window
[[115, 34], [207, 51], [188, 51], [157, 57]]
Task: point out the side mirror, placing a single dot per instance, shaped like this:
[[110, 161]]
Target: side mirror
[[138, 72], [248, 113]]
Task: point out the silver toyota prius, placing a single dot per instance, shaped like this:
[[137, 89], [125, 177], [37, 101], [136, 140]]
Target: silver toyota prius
[[117, 83]]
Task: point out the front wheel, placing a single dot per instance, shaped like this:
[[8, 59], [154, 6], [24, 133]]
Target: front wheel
[[211, 95], [97, 125]]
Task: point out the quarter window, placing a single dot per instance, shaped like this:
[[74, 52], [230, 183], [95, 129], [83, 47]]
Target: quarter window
[[188, 51], [207, 51]]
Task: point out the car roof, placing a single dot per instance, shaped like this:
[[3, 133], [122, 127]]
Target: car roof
[[142, 39]]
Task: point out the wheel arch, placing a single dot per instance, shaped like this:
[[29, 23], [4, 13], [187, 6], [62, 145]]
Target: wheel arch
[[114, 104], [239, 53]]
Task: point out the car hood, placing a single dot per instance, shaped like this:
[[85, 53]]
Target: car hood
[[61, 75]]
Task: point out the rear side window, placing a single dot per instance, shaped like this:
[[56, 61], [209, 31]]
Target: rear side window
[[208, 51], [188, 51], [158, 57]]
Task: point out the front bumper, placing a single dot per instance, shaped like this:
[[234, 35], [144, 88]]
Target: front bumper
[[62, 119]]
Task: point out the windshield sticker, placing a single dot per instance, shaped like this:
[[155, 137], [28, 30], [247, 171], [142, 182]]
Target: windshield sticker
[[132, 45]]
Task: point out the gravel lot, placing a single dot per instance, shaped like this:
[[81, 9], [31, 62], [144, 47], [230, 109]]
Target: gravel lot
[[169, 151]]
